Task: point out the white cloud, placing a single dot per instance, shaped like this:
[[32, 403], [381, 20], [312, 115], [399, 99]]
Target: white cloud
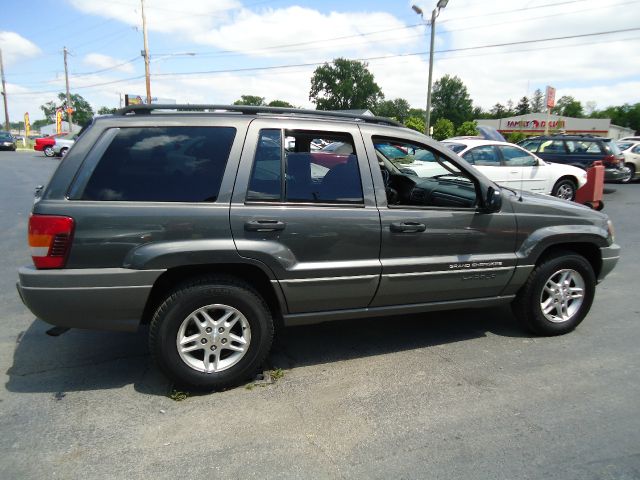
[[15, 47], [104, 62]]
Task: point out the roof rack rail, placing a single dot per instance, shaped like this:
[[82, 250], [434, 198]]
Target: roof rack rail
[[254, 110]]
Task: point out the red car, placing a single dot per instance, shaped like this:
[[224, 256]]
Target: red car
[[45, 144]]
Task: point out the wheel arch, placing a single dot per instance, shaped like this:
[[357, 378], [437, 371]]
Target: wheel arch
[[590, 251]]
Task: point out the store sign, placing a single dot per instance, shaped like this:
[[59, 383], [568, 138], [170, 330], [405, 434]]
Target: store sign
[[551, 97], [535, 124]]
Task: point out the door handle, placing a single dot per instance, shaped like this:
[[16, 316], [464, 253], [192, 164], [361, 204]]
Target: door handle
[[408, 227], [264, 225]]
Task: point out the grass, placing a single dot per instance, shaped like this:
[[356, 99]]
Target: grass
[[178, 396]]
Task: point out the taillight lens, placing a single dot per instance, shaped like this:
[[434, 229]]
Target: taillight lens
[[50, 240], [611, 159]]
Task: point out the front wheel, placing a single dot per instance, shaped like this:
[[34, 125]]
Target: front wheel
[[63, 152], [557, 296], [564, 188], [211, 333], [48, 151]]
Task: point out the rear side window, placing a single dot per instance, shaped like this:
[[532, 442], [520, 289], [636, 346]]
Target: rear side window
[[162, 164], [515, 157], [302, 173], [485, 155], [531, 145]]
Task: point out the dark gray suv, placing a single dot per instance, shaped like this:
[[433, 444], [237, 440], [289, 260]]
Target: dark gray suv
[[212, 226]]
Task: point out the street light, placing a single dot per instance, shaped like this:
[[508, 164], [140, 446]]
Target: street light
[[436, 11]]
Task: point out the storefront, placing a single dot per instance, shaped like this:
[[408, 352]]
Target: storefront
[[538, 123]]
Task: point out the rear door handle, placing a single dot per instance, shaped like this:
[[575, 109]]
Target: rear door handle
[[264, 225], [408, 227]]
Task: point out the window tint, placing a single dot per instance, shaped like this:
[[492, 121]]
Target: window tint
[[310, 175], [516, 157], [531, 145], [552, 146], [162, 164], [485, 155]]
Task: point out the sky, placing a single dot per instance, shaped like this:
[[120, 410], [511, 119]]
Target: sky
[[214, 51]]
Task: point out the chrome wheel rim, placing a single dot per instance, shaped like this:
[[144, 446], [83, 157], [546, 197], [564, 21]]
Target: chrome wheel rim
[[627, 175], [213, 338], [562, 295], [565, 191]]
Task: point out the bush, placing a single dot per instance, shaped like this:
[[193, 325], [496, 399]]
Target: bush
[[442, 129], [515, 137], [415, 123], [468, 128]]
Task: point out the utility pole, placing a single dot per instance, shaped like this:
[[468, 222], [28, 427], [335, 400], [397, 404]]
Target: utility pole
[[66, 79], [4, 95], [146, 53]]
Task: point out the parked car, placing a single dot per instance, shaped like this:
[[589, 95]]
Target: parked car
[[196, 225], [7, 141], [580, 151], [631, 151], [45, 144], [63, 144], [506, 164], [630, 139]]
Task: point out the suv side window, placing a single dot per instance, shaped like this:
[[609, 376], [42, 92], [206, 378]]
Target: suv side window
[[552, 146], [485, 155], [162, 164], [531, 145], [516, 157], [310, 175]]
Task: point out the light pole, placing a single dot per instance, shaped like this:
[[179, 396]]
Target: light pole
[[436, 11]]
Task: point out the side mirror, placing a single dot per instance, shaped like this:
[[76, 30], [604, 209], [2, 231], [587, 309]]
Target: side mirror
[[493, 200]]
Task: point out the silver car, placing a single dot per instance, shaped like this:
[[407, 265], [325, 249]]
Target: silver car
[[63, 144]]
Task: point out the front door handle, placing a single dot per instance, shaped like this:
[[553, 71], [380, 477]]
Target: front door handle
[[408, 227], [265, 225]]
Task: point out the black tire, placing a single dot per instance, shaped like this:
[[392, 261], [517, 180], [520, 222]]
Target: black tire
[[188, 298], [63, 152], [48, 151], [527, 305], [632, 173], [565, 188]]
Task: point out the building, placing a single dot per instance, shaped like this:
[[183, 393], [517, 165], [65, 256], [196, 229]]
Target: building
[[536, 124]]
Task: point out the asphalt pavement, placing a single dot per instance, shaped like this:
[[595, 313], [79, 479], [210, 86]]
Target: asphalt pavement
[[464, 395]]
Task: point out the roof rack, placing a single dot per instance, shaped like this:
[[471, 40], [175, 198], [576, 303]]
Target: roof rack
[[255, 110]]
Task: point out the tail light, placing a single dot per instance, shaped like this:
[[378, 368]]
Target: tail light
[[50, 240], [611, 159]]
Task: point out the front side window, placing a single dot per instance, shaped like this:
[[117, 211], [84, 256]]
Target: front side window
[[486, 156], [531, 145], [552, 146], [162, 164], [636, 149], [311, 175], [516, 157]]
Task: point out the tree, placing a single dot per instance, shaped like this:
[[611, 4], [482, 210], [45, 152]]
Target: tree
[[568, 106], [442, 129], [344, 85], [250, 100], [107, 111], [450, 99], [280, 103], [398, 109], [523, 106], [38, 124], [537, 102], [510, 111], [468, 128], [415, 123], [498, 111], [82, 115]]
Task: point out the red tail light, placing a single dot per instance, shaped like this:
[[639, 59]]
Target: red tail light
[[50, 240], [612, 159]]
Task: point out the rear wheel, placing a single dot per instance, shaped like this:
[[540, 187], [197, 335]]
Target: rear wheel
[[557, 296], [48, 151], [564, 188], [630, 173], [211, 333]]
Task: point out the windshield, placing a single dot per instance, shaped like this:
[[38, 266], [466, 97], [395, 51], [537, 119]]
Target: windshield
[[5, 136], [456, 147], [624, 145]]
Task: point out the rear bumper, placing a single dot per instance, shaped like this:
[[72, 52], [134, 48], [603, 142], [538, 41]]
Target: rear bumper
[[100, 299], [614, 174], [610, 256]]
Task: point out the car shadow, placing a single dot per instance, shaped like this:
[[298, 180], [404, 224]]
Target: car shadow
[[81, 360]]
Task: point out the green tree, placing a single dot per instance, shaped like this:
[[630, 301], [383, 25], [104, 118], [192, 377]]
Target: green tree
[[470, 127], [38, 124], [498, 111], [415, 123], [537, 102], [510, 112], [344, 85], [107, 110], [568, 106], [523, 106], [280, 103], [515, 137], [442, 129], [450, 100], [250, 100], [398, 109], [82, 115]]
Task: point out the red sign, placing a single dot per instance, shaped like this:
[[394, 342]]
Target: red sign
[[551, 97]]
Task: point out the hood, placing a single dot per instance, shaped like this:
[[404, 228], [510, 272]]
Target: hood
[[546, 205]]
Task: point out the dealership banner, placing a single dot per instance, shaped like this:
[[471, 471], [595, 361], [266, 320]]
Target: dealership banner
[[59, 120], [27, 125], [551, 97]]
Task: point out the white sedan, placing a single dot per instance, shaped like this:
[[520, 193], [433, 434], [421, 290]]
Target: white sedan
[[631, 151], [63, 144], [509, 165]]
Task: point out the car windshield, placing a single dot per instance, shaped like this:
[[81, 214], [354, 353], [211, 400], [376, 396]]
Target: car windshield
[[5, 136], [624, 145], [456, 147]]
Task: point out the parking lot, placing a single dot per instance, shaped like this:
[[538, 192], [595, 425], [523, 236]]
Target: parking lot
[[465, 394]]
